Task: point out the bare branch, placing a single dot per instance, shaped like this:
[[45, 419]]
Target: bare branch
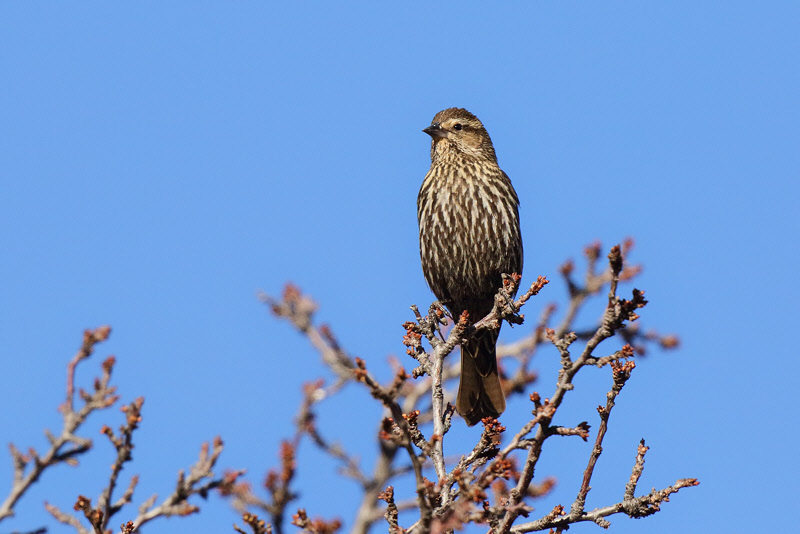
[[637, 507], [316, 526], [200, 481], [66, 447], [622, 373], [259, 526], [123, 444], [638, 468], [489, 485]]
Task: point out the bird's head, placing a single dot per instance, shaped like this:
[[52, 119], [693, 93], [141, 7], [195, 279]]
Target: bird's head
[[456, 130]]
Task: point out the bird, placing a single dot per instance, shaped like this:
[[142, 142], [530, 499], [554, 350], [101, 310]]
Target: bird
[[469, 236]]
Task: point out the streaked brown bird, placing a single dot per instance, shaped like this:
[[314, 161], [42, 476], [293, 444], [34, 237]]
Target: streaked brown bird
[[469, 236]]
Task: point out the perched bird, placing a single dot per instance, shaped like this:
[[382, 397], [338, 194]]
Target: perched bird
[[469, 236]]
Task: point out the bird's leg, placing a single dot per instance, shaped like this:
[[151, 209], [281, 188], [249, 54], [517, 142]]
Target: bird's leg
[[510, 285], [438, 315], [510, 303]]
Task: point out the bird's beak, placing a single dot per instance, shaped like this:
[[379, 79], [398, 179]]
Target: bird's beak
[[435, 130]]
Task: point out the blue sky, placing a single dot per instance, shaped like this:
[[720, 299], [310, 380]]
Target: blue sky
[[160, 164]]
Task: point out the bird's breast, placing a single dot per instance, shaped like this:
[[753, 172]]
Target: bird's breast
[[469, 229]]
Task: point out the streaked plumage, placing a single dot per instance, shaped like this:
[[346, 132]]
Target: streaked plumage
[[469, 236]]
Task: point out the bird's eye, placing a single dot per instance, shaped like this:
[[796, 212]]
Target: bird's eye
[[457, 127]]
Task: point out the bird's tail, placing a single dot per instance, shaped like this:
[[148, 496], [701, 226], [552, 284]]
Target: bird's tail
[[479, 392]]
